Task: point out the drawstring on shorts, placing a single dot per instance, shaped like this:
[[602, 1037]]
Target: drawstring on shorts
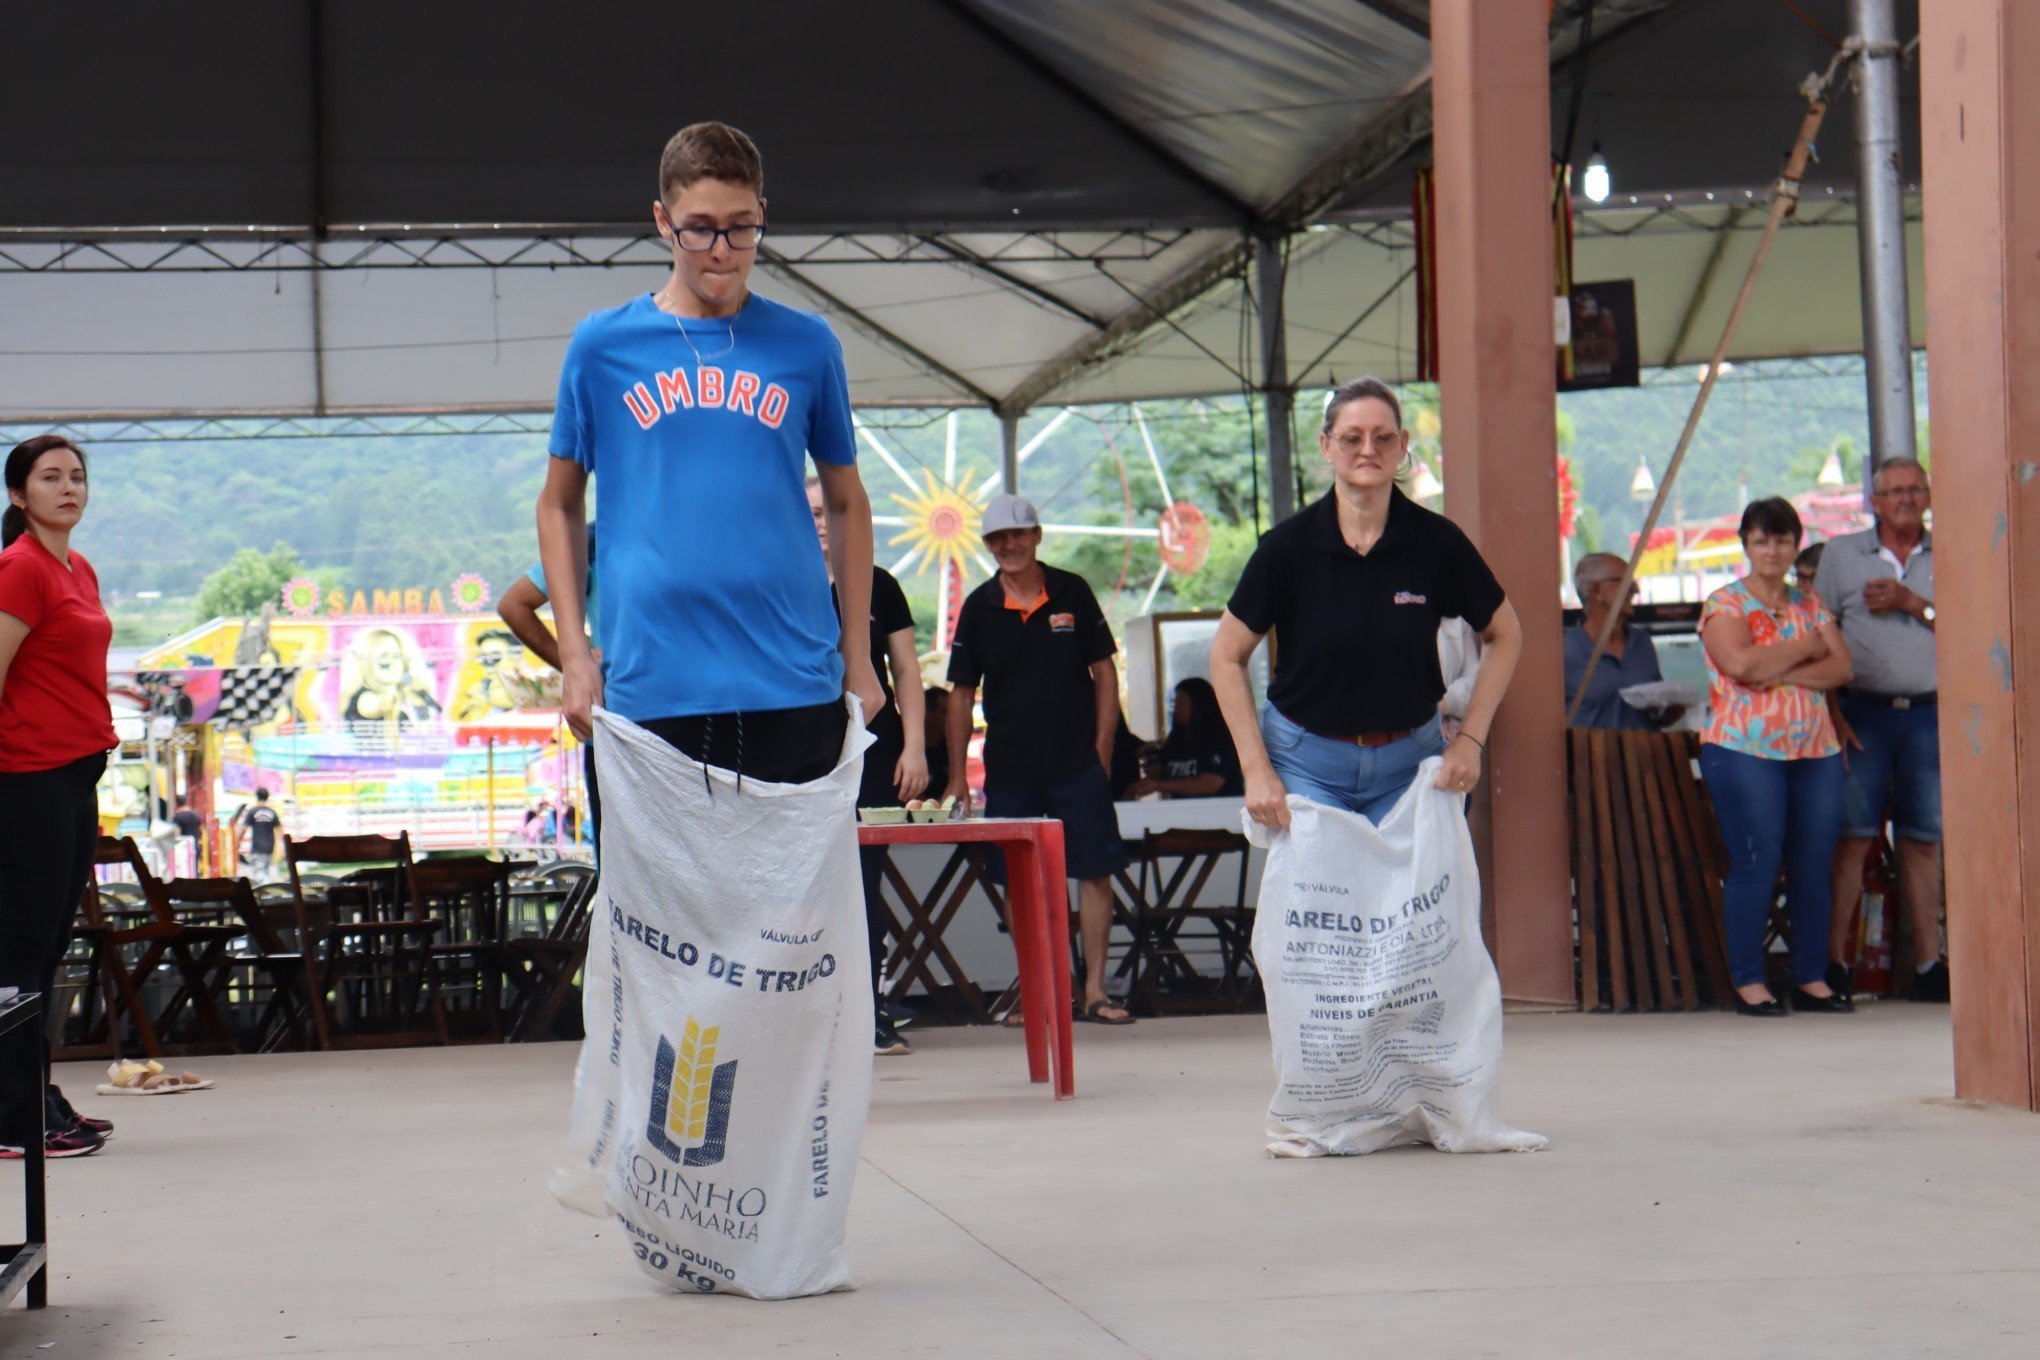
[[708, 749]]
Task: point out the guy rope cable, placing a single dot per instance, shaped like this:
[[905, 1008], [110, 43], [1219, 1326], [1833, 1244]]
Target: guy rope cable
[[1784, 201]]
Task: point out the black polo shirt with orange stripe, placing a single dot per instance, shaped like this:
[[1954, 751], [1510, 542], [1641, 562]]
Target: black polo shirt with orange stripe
[[1356, 637], [1034, 666]]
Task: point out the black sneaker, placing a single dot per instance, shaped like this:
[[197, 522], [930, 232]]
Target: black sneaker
[[901, 1016], [58, 1112], [1932, 985], [71, 1142], [887, 1041]]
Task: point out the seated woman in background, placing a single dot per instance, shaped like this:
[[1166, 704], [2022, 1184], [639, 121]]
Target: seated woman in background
[[1771, 760], [1197, 760]]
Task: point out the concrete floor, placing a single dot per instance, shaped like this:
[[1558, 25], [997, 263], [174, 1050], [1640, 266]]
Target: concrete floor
[[1716, 1187]]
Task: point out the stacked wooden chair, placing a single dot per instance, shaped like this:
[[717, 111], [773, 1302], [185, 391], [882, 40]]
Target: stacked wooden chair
[[370, 972], [1648, 865], [132, 949]]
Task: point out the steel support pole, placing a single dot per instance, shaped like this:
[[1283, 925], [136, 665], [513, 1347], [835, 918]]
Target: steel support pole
[[1271, 278], [1880, 233], [1009, 452]]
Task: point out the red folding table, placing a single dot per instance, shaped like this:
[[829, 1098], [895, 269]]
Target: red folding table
[[1037, 901]]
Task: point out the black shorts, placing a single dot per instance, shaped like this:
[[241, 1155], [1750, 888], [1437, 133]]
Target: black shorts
[[775, 746], [1083, 804]]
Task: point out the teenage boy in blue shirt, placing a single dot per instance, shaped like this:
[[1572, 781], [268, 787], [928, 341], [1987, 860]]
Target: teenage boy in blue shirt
[[698, 406]]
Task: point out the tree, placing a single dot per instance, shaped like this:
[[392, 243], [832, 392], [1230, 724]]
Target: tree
[[1209, 451], [248, 581]]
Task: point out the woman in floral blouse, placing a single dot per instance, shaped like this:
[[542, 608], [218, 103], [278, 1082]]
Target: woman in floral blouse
[[1770, 757]]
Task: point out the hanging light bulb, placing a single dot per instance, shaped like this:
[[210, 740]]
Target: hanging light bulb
[[1642, 486], [1425, 485], [1595, 182]]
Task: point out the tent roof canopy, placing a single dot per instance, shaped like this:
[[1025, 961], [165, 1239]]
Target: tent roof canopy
[[341, 205]]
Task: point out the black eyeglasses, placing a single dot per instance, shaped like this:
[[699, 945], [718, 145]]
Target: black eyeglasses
[[698, 239]]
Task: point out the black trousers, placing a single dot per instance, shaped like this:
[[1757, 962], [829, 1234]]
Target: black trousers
[[877, 790], [51, 821], [594, 794], [778, 746]]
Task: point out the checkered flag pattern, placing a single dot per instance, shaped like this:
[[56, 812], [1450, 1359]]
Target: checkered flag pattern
[[251, 695]]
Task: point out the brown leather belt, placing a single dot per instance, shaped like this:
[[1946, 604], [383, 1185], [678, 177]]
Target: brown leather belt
[[1365, 738]]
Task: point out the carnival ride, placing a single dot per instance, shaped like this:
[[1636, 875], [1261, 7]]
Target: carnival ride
[[934, 514], [364, 721]]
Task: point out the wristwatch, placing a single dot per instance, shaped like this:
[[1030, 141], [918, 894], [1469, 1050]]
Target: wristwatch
[[1927, 614]]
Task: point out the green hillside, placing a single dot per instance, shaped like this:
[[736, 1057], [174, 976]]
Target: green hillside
[[367, 512]]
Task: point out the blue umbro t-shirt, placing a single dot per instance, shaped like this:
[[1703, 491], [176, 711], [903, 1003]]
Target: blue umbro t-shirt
[[713, 599]]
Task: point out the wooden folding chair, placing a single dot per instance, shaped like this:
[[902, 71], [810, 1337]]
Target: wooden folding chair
[[543, 968], [369, 970], [919, 945], [83, 993], [130, 955], [274, 965], [471, 895], [1172, 870]]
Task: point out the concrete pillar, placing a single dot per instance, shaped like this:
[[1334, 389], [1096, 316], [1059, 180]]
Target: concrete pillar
[[1491, 108], [1271, 285], [1880, 234], [1980, 120]]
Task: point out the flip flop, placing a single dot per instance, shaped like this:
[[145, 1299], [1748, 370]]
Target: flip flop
[[1092, 1013], [149, 1079], [1013, 1019]]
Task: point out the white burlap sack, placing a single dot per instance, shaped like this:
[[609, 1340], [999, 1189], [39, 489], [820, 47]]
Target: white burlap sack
[[1383, 1005], [721, 1094]]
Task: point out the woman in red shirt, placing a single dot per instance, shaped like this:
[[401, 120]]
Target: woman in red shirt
[[55, 730]]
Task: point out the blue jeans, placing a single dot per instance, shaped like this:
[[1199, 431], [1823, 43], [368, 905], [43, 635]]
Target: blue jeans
[[1363, 779], [1900, 761], [1775, 812]]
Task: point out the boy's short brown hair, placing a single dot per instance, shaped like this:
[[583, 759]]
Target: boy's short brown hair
[[709, 151]]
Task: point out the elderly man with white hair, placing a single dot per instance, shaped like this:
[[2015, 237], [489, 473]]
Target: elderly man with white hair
[[1630, 658], [1880, 584]]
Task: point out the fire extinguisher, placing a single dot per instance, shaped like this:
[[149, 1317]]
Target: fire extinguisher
[[1872, 974]]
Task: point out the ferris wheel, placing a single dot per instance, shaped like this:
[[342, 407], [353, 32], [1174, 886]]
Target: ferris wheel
[[935, 516]]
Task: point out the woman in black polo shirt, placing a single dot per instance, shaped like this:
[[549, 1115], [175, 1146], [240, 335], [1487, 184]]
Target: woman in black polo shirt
[[1354, 587]]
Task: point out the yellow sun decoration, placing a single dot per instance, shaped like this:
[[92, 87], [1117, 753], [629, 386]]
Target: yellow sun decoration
[[942, 524]]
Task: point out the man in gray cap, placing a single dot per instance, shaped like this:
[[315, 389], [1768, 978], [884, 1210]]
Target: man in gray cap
[[1035, 638]]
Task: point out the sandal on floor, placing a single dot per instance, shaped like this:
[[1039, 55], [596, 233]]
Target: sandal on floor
[[1013, 1019], [1093, 1013], [149, 1079]]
